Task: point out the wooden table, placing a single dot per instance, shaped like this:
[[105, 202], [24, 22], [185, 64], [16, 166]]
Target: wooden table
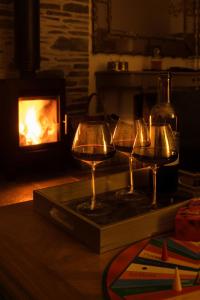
[[39, 261]]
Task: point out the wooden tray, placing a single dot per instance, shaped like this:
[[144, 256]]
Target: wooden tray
[[127, 223], [190, 181], [189, 178]]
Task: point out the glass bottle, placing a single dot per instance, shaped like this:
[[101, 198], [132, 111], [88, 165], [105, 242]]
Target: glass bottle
[[161, 113]]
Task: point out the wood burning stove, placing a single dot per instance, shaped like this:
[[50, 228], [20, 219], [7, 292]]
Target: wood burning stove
[[33, 125]]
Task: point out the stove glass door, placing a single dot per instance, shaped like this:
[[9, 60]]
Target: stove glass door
[[38, 120]]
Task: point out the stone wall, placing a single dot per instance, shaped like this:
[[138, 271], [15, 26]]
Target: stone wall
[[7, 68], [64, 26]]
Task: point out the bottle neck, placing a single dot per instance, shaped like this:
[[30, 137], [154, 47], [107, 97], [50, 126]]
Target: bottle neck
[[164, 89], [163, 112]]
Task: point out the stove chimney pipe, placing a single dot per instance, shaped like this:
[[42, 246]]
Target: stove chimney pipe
[[27, 36]]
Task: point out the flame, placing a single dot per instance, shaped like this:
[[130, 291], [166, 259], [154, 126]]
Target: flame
[[37, 122], [34, 129]]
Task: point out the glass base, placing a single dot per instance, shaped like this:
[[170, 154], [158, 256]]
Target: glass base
[[100, 209], [127, 195]]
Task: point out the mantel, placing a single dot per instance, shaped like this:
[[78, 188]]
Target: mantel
[[144, 80]]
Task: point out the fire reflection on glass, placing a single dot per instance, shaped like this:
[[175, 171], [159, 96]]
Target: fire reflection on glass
[[38, 121]]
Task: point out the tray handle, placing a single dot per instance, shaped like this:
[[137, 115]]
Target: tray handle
[[60, 218]]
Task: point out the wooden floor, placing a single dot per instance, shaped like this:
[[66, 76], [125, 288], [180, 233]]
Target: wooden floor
[[20, 189]]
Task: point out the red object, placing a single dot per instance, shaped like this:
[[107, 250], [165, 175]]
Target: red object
[[187, 222]]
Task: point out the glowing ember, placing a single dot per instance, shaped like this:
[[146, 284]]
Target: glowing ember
[[37, 122]]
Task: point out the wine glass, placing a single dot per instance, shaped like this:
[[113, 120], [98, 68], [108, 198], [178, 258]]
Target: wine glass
[[124, 137], [156, 149], [93, 144]]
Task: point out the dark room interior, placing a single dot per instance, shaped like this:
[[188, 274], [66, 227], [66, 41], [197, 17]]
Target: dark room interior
[[99, 149]]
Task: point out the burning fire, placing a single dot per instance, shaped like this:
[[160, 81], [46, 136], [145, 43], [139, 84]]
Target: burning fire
[[37, 122]]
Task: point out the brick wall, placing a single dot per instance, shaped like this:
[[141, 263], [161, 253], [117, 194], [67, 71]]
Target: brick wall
[[64, 26]]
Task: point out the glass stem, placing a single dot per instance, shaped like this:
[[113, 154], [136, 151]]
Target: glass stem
[[93, 199], [131, 158], [154, 170]]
